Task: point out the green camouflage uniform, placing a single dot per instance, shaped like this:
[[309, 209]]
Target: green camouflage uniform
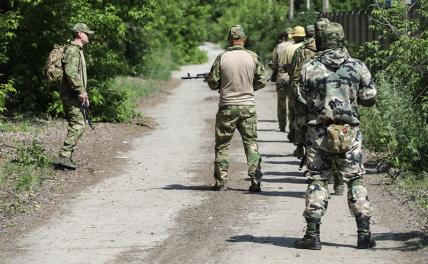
[[333, 86], [297, 122], [236, 115], [74, 83]]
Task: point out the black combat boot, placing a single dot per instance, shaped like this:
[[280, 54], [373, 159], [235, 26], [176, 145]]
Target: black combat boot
[[365, 239], [311, 240], [256, 181]]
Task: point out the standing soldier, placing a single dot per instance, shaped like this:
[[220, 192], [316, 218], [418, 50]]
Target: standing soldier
[[280, 76], [73, 93], [304, 53], [286, 58], [334, 85], [236, 73]]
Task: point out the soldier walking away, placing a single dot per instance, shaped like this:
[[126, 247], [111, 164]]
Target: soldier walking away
[[287, 57], [334, 85], [280, 76], [236, 73], [73, 93], [297, 121]]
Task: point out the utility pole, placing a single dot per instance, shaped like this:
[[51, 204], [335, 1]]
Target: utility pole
[[291, 10], [325, 6]]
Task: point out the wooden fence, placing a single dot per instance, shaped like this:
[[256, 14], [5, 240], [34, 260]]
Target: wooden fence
[[356, 25]]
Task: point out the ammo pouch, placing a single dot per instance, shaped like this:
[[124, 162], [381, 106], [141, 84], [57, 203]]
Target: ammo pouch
[[340, 138]]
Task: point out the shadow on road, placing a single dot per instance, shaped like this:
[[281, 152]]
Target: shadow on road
[[413, 240], [277, 241], [268, 129], [283, 173], [286, 180], [291, 162], [189, 187], [282, 193], [277, 155], [271, 141], [266, 121]]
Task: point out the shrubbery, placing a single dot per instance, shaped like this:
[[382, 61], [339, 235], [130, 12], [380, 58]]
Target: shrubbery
[[147, 38], [398, 126]]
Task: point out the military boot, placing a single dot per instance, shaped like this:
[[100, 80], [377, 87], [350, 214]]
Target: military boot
[[256, 181], [311, 240], [66, 163], [365, 239]]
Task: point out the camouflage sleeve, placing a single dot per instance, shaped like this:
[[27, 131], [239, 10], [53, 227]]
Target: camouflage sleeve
[[259, 75], [71, 63], [213, 79], [301, 85], [367, 91], [296, 64]]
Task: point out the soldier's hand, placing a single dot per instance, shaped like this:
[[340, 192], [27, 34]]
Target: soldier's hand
[[84, 99]]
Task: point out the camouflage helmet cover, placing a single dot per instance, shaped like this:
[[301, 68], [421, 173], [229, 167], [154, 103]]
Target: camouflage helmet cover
[[329, 35], [310, 31], [236, 32]]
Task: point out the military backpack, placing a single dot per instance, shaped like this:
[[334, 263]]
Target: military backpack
[[54, 70]]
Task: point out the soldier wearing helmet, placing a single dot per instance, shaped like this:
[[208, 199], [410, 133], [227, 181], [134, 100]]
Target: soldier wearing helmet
[[334, 85]]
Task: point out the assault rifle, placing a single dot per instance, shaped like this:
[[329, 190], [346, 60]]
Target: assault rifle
[[198, 76], [86, 115], [302, 162]]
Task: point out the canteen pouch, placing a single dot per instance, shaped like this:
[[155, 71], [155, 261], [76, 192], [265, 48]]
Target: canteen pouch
[[340, 138]]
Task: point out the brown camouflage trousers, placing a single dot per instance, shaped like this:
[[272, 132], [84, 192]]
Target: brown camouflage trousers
[[228, 119], [281, 108], [76, 127], [319, 169]]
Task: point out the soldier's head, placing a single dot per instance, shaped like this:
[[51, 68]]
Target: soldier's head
[[298, 34], [237, 35], [310, 31], [81, 32], [329, 35]]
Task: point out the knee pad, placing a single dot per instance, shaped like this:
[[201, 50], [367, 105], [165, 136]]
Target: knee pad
[[358, 200], [316, 200]]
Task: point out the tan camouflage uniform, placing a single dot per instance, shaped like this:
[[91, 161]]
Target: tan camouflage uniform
[[333, 86], [236, 73], [281, 79]]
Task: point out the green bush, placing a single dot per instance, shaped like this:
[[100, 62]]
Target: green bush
[[393, 128]]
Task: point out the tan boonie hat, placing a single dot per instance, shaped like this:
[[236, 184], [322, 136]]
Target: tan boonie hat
[[299, 32], [237, 32], [82, 27]]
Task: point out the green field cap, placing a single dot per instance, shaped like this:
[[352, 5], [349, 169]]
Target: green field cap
[[237, 32], [82, 27]]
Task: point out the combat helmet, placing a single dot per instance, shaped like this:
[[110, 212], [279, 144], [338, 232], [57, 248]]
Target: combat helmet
[[329, 35]]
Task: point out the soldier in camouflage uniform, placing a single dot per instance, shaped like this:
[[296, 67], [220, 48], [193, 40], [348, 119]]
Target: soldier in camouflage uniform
[[334, 85], [280, 76], [236, 73], [73, 93], [297, 122], [286, 58]]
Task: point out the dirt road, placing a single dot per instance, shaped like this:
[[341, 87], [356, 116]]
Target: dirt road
[[159, 208]]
